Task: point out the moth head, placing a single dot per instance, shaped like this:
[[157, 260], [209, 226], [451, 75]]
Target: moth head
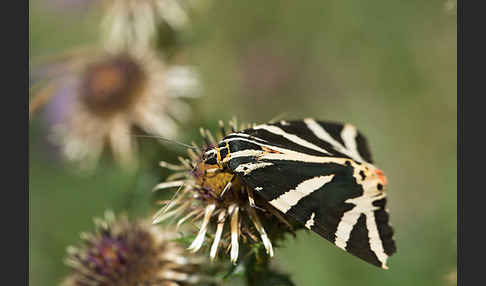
[[210, 157], [217, 155]]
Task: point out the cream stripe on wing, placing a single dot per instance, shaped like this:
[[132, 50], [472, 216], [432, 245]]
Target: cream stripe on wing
[[294, 138], [321, 132], [254, 152], [374, 239], [286, 154], [349, 134], [247, 168], [310, 222], [301, 157], [363, 205], [344, 228], [346, 134], [243, 153], [290, 198]]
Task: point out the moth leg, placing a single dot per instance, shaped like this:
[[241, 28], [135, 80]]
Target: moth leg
[[251, 199], [281, 218], [228, 185]]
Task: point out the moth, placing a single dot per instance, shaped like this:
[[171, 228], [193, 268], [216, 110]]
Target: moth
[[318, 173]]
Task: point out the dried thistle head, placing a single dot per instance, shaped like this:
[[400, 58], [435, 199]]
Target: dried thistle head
[[95, 98], [126, 253], [225, 208]]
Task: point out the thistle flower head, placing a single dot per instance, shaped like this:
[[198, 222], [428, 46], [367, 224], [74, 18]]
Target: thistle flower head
[[225, 208], [95, 98], [122, 252], [112, 84]]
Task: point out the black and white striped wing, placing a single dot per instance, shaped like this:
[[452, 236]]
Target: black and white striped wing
[[319, 173]]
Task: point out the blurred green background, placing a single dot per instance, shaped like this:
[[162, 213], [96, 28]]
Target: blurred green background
[[389, 67]]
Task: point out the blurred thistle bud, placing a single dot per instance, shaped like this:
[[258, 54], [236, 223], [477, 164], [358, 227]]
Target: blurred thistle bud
[[135, 23], [125, 253], [450, 6], [221, 204], [451, 277], [95, 98]]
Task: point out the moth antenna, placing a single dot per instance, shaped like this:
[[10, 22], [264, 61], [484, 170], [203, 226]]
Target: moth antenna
[[166, 185], [172, 167], [188, 216], [164, 139], [174, 197], [166, 207]]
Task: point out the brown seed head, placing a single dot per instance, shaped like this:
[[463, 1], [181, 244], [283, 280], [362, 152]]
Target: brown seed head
[[112, 85]]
